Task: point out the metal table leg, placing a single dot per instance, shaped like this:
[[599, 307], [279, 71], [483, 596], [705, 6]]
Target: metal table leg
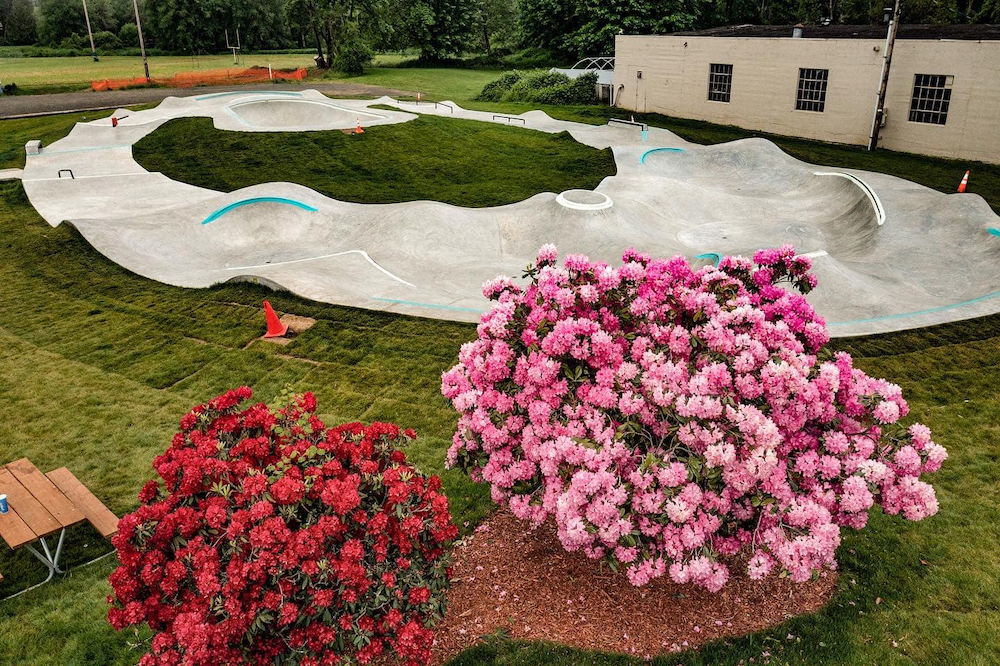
[[52, 562]]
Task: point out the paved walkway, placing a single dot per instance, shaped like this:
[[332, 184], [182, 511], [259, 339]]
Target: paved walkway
[[10, 174], [23, 106]]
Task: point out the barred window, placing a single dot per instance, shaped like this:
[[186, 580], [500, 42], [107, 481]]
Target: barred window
[[931, 97], [811, 95], [720, 82]]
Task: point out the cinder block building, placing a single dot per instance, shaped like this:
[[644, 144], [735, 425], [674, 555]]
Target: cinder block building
[[943, 94]]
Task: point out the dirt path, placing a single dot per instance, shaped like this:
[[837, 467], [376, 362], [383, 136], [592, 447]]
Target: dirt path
[[22, 106]]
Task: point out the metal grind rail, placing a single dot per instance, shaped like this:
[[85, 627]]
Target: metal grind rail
[[630, 123], [418, 102], [509, 119]]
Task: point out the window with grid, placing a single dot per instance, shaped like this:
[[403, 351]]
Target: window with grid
[[931, 97], [720, 82], [811, 95]]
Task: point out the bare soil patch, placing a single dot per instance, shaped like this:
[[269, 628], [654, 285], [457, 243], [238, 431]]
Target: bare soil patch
[[295, 324]]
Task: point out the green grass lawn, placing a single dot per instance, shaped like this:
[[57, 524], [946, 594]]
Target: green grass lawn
[[438, 83], [461, 162], [97, 365], [60, 74]]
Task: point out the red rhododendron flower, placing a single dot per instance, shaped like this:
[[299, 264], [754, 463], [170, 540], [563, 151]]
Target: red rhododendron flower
[[269, 537]]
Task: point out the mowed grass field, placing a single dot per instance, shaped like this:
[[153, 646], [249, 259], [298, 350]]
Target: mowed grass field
[[97, 365], [437, 83], [40, 74]]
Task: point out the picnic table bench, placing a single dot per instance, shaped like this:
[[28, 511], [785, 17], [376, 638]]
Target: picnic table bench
[[42, 504]]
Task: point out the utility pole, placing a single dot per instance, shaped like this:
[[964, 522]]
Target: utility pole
[[142, 44], [86, 16], [890, 41]]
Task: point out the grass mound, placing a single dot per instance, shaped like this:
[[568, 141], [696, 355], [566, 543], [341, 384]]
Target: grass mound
[[460, 162]]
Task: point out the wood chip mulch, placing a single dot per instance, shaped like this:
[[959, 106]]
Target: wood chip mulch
[[520, 581]]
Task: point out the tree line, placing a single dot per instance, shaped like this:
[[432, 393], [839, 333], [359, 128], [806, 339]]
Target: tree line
[[349, 30]]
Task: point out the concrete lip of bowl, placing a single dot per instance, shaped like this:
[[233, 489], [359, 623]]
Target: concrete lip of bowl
[[584, 200], [297, 114]]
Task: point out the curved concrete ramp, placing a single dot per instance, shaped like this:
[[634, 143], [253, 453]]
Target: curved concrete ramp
[[291, 114], [889, 254]]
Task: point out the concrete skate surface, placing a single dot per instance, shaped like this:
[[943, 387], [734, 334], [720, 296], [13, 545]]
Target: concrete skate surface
[[889, 254]]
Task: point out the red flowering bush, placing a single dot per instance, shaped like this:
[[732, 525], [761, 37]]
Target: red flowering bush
[[274, 540]]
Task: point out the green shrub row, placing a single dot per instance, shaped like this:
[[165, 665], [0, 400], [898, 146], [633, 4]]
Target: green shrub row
[[72, 49], [541, 87], [529, 58]]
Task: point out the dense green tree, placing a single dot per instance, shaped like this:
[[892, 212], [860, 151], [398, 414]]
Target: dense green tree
[[307, 17], [58, 19], [989, 12], [344, 28], [348, 29], [261, 23], [577, 28], [439, 28], [496, 25], [129, 35], [17, 22], [122, 12], [189, 26], [549, 24]]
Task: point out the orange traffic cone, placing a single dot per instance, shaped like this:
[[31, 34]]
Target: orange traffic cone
[[358, 130], [275, 329], [964, 183]]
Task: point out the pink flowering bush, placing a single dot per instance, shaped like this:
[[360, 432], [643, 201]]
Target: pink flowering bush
[[665, 416], [275, 540]]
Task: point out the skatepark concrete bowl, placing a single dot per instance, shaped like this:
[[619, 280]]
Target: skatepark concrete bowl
[[889, 254], [296, 114]]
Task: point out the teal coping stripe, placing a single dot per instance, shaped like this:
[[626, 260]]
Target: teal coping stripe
[[427, 305], [250, 92], [711, 255], [642, 160], [246, 202], [940, 308], [902, 315]]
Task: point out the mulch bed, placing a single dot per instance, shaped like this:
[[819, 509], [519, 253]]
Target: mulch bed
[[511, 578]]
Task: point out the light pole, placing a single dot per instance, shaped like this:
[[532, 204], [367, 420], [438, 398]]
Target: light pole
[[86, 16], [142, 44], [883, 81]]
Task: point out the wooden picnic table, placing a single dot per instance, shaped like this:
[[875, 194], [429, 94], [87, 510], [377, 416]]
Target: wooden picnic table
[[42, 504]]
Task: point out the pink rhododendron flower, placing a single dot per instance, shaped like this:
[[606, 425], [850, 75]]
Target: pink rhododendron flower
[[665, 417]]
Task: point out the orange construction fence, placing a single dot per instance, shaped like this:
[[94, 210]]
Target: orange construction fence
[[204, 78]]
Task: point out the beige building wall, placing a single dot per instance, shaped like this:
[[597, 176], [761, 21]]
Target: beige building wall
[[973, 127], [675, 72]]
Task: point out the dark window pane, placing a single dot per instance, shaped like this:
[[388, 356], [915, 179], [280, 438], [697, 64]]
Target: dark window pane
[[811, 94]]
